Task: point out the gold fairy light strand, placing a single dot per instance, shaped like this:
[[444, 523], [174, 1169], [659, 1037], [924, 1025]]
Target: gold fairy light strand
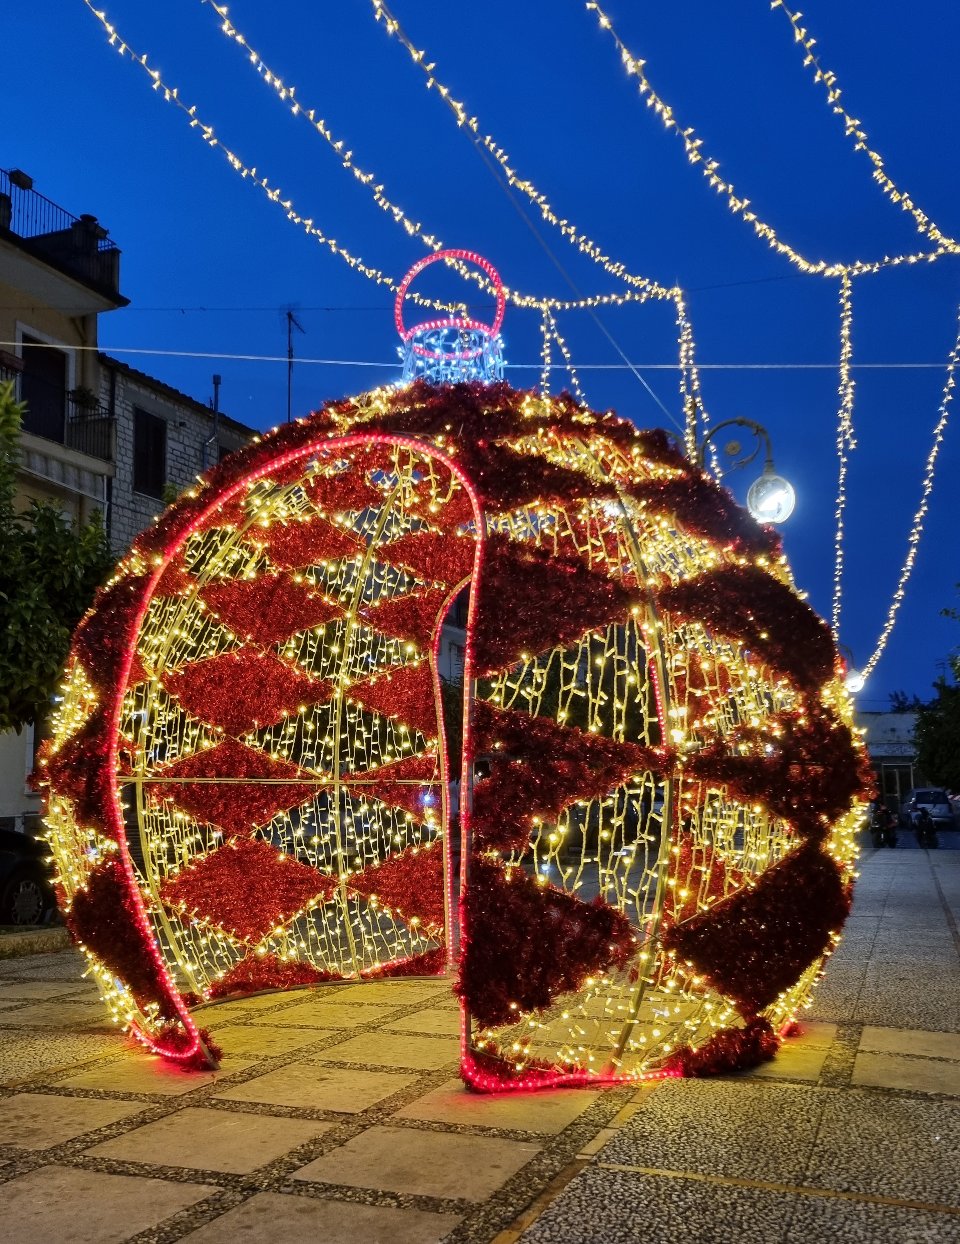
[[287, 94], [690, 391], [916, 529], [575, 385], [546, 354], [739, 205], [846, 441], [471, 123], [854, 130]]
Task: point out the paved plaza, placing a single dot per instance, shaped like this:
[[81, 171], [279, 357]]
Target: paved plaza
[[338, 1116]]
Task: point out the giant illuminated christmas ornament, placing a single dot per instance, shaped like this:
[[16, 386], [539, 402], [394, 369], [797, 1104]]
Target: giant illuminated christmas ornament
[[248, 781]]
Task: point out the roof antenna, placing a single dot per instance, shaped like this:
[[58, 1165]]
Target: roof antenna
[[292, 323]]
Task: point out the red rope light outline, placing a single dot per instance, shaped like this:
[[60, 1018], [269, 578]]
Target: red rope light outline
[[460, 322]]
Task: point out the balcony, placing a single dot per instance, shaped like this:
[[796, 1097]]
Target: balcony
[[90, 428], [75, 245]]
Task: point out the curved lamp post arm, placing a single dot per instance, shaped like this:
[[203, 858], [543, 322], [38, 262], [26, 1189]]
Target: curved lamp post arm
[[759, 431]]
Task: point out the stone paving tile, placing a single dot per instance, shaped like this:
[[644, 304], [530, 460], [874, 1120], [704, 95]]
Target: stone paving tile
[[312, 1086], [328, 1014], [899, 1071], [437, 1164], [395, 992], [214, 1140], [890, 1146], [264, 1040], [21, 990], [911, 1041], [64, 965], [392, 1049], [41, 1120], [145, 1073], [722, 1128], [443, 1023], [87, 1207], [603, 1206], [60, 1013], [23, 1055], [547, 1112], [306, 1220]]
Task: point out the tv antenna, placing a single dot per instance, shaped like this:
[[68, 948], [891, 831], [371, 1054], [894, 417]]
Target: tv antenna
[[292, 323]]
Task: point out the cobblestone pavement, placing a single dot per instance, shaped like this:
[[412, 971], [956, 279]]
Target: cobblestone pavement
[[337, 1115]]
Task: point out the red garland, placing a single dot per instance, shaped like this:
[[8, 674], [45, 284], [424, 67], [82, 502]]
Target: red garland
[[756, 943], [348, 491], [746, 603], [730, 1049], [405, 693], [526, 943], [101, 640], [392, 783], [531, 601], [244, 690], [291, 546], [493, 1064], [429, 963], [537, 768], [258, 972], [268, 609], [435, 556], [237, 807], [246, 888], [79, 772], [506, 480], [409, 884], [810, 775], [413, 617], [703, 507], [103, 918]]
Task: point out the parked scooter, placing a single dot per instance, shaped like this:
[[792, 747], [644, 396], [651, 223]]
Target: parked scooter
[[884, 827], [926, 830]]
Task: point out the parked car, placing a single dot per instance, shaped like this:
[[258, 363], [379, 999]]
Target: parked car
[[26, 893], [936, 803]]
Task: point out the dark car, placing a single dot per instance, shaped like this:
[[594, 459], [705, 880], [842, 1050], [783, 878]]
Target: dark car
[[936, 803], [26, 894]]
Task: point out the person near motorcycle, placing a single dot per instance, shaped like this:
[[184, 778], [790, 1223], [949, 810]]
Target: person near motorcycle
[[884, 827], [925, 829]]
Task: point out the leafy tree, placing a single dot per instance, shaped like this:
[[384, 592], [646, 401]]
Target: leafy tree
[[900, 702], [49, 570], [937, 732]]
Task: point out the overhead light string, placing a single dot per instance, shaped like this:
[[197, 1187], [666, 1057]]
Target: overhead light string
[[916, 529], [739, 205], [846, 441], [853, 128]]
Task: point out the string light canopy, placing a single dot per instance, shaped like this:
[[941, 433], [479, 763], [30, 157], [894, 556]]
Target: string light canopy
[[247, 781]]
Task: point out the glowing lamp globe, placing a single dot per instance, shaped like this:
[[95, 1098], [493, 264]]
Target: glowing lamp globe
[[771, 498]]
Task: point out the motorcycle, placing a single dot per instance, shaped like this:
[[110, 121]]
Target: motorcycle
[[926, 830]]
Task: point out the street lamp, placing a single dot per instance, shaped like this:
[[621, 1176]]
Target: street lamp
[[853, 680], [771, 498]]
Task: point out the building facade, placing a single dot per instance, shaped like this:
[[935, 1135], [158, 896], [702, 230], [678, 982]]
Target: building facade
[[98, 435]]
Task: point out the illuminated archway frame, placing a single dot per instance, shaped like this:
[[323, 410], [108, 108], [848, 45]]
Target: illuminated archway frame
[[710, 841]]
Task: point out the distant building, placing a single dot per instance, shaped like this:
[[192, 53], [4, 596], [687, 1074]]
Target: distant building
[[893, 753], [97, 433]]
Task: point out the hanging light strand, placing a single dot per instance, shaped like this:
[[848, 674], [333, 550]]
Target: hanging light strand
[[916, 530], [856, 133], [465, 120], [739, 205], [575, 386], [846, 441], [546, 353]]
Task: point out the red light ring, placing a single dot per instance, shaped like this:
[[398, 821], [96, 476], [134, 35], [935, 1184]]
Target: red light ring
[[454, 322]]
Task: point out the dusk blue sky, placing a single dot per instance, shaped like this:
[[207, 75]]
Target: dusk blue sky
[[210, 265]]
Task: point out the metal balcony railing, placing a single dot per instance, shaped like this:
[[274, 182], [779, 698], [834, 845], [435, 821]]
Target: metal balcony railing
[[91, 428], [77, 245]]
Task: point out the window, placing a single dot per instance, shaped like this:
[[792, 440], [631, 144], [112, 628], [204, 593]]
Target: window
[[149, 453], [43, 386]]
